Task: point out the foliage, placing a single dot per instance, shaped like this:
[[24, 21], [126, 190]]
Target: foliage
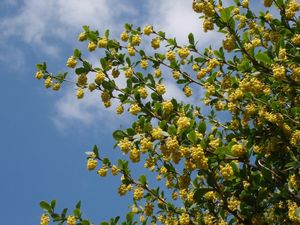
[[233, 159]]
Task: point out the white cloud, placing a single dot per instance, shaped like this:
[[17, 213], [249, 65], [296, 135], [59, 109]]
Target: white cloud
[[47, 25], [177, 19]]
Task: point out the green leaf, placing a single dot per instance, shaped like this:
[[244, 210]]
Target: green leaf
[[104, 223], [202, 127], [86, 28], [226, 14], [172, 130], [106, 33], [81, 70], [45, 205], [192, 137], [191, 39], [78, 205], [53, 203], [77, 212], [85, 222], [118, 135], [96, 150], [77, 53], [263, 57], [104, 63], [143, 179]]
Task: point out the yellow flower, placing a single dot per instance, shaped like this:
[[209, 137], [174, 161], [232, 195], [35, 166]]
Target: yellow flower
[[268, 3], [138, 193], [157, 133], [102, 43], [146, 144], [119, 109], [124, 36], [238, 150], [82, 80], [134, 155], [182, 123], [148, 30], [245, 3], [39, 74], [56, 86], [278, 72], [71, 62], [82, 36], [91, 164], [183, 52], [45, 219], [170, 55], [134, 109], [128, 72], [144, 64], [187, 91], [71, 220], [226, 171], [125, 145], [157, 72], [102, 171], [161, 89], [80, 93], [167, 106], [131, 50], [155, 43], [92, 86], [296, 39], [233, 204], [208, 25], [48, 82], [269, 17], [136, 40], [122, 189], [91, 46], [184, 219], [114, 170], [176, 74]]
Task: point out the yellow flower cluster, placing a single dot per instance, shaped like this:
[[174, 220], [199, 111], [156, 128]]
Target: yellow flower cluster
[[102, 171], [82, 36], [91, 164], [170, 55], [143, 92], [293, 182], [155, 43], [157, 133], [144, 64], [131, 50], [278, 72], [102, 43], [172, 144], [71, 220], [167, 106], [134, 155], [138, 193], [238, 150], [71, 62], [295, 138], [183, 122], [124, 36], [183, 52], [292, 207], [296, 39], [187, 91], [114, 170], [136, 40], [184, 219], [148, 30], [44, 219], [226, 171], [229, 43], [119, 109], [160, 88], [233, 203], [291, 9], [91, 46], [128, 72], [125, 145], [157, 73], [211, 196], [176, 74], [134, 109], [80, 93], [82, 80], [268, 3], [146, 144], [197, 154]]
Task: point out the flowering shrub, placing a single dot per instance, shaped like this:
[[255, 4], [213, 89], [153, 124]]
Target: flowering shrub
[[243, 169]]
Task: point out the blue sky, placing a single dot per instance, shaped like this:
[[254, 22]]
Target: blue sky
[[44, 135]]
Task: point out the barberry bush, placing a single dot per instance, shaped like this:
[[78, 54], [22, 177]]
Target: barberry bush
[[231, 158]]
